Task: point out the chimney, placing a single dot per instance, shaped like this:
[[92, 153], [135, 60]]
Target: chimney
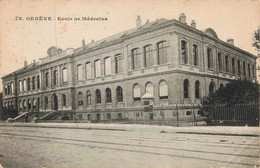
[[182, 18], [138, 22], [230, 41], [25, 63], [83, 43], [193, 24]]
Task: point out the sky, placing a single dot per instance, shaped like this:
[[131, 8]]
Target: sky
[[29, 40]]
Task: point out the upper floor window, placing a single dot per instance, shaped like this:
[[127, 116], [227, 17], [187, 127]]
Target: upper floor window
[[79, 72], [233, 65], [88, 70], [108, 95], [38, 82], [24, 85], [162, 52], [98, 96], [220, 62], [249, 70], [119, 94], [6, 89], [107, 66], [137, 93], [244, 68], [184, 53], [12, 87], [55, 77], [118, 63], [28, 84], [197, 89], [64, 75], [149, 88], [163, 90], [45, 102], [210, 58], [46, 78], [136, 59], [186, 88], [97, 68], [148, 56], [195, 54], [227, 63], [253, 71], [238, 67], [88, 98], [20, 86], [33, 82]]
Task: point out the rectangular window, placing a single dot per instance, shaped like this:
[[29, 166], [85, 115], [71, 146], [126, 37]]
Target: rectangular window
[[227, 63], [219, 62], [162, 53], [55, 77], [118, 63], [88, 70], [24, 85], [5, 89], [46, 78], [38, 82], [12, 87], [65, 75], [79, 72], [238, 67], [249, 71], [28, 84], [195, 55], [20, 86], [97, 68], [233, 66], [244, 68], [108, 66], [33, 82], [148, 57], [135, 59], [253, 71]]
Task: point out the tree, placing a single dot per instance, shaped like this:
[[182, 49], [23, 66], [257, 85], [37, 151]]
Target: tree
[[230, 102], [256, 39]]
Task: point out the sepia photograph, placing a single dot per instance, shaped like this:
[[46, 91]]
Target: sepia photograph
[[129, 83]]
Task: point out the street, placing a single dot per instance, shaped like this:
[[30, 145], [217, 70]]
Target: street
[[137, 146]]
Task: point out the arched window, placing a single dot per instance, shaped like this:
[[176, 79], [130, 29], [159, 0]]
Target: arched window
[[135, 58], [80, 98], [221, 85], [186, 88], [210, 58], [220, 62], [8, 88], [137, 93], [211, 87], [148, 56], [55, 77], [38, 82], [46, 78], [197, 89], [88, 70], [107, 66], [24, 85], [119, 94], [29, 104], [28, 84], [149, 88], [12, 85], [45, 102], [98, 96], [34, 103], [88, 97], [20, 105], [108, 116], [24, 104], [20, 86], [97, 68], [79, 72], [64, 75], [184, 51], [64, 103], [162, 52], [108, 95], [118, 63], [163, 90], [195, 54]]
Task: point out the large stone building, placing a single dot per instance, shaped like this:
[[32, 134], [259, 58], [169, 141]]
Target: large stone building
[[165, 63]]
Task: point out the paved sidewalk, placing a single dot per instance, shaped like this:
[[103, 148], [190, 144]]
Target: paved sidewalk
[[211, 130]]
